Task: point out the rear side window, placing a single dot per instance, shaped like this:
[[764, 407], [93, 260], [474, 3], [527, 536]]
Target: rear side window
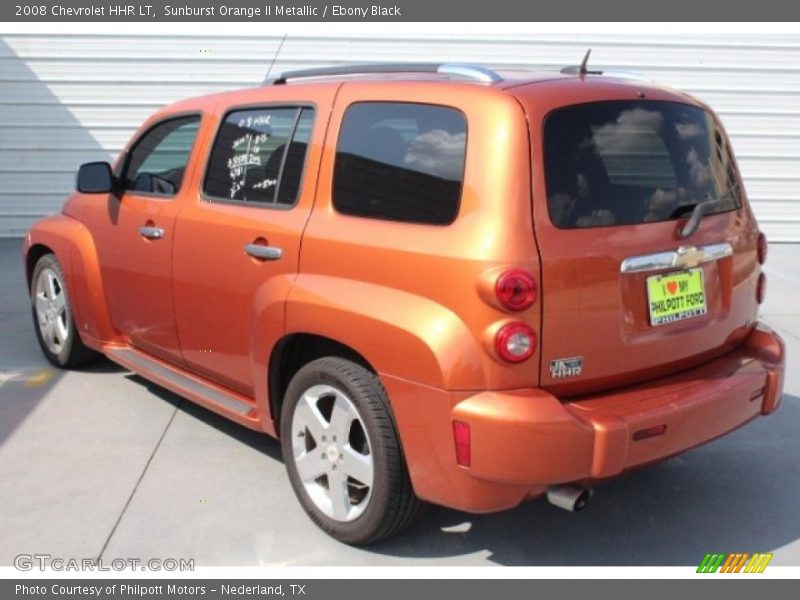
[[259, 155], [400, 162], [157, 162], [629, 162]]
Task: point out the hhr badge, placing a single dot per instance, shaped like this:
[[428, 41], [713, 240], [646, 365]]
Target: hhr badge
[[566, 367]]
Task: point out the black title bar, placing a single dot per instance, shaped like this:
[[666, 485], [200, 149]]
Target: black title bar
[[397, 10]]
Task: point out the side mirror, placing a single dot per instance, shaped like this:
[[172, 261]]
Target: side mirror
[[96, 178]]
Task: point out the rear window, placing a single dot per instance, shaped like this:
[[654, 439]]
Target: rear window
[[629, 162], [400, 162]]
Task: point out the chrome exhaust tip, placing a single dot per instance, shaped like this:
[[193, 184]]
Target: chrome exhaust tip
[[571, 497]]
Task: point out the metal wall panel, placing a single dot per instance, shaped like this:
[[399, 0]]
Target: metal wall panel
[[66, 99]]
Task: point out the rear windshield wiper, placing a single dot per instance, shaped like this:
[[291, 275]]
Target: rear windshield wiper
[[701, 209]]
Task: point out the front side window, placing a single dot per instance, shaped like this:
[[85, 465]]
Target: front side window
[[400, 162], [157, 163], [259, 155], [630, 162]]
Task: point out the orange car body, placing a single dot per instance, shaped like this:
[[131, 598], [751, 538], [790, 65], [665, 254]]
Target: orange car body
[[192, 312]]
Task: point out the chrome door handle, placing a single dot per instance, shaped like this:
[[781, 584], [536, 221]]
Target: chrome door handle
[[263, 252], [151, 233]]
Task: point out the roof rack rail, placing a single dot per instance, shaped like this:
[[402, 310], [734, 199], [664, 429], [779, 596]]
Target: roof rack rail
[[456, 70]]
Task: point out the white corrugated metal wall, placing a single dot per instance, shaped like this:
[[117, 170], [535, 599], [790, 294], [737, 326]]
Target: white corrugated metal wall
[[67, 99]]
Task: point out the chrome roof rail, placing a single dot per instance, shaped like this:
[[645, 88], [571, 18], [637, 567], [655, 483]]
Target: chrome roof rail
[[466, 71], [455, 70]]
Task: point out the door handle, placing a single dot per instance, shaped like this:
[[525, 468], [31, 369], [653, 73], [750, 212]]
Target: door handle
[[263, 252], [151, 233]]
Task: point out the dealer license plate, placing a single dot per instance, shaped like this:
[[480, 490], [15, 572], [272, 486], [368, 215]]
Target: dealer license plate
[[676, 296]]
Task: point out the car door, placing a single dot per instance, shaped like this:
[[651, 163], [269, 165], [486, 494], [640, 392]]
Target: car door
[[134, 233], [238, 242]]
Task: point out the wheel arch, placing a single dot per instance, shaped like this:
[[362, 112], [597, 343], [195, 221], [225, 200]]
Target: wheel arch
[[294, 351], [72, 244], [32, 256], [390, 332]]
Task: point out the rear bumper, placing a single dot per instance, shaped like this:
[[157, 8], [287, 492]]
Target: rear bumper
[[524, 441]]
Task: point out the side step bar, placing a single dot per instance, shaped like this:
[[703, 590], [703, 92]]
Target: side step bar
[[191, 387]]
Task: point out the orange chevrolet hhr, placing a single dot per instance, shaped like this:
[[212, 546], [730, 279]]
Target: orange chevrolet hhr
[[433, 282]]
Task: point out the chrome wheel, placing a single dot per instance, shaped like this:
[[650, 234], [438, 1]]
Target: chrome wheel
[[331, 452], [50, 303]]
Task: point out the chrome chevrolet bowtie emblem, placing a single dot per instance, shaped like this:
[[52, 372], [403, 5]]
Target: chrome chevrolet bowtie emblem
[[689, 257]]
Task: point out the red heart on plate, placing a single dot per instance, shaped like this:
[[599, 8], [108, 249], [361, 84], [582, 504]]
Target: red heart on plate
[[672, 287]]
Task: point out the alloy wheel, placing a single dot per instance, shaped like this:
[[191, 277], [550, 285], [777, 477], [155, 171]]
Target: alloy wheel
[[331, 453], [51, 310]]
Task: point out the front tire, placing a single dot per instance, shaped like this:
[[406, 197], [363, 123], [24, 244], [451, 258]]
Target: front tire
[[52, 316], [342, 453]]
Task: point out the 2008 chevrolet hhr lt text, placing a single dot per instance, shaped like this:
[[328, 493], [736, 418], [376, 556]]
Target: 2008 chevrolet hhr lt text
[[434, 283]]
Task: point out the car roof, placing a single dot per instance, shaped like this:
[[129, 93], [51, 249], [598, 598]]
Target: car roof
[[394, 74]]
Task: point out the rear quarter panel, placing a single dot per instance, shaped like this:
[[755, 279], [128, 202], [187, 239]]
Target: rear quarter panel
[[407, 296]]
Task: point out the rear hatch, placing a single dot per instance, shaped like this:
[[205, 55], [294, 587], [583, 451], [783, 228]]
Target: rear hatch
[[617, 169]]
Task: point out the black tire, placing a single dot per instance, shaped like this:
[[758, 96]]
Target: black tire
[[392, 505], [72, 352]]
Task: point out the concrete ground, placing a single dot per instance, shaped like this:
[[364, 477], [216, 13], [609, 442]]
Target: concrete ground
[[100, 462]]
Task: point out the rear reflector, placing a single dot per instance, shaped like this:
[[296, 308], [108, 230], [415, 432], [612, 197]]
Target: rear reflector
[[761, 288], [761, 248], [643, 434], [462, 441]]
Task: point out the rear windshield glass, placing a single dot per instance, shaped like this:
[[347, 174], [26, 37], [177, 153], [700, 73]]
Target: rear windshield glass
[[628, 162]]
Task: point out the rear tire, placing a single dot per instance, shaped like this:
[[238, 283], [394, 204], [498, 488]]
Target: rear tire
[[342, 453], [52, 316]]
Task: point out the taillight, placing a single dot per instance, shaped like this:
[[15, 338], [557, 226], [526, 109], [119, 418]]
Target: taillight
[[761, 248], [761, 288], [515, 342], [515, 289], [461, 438]]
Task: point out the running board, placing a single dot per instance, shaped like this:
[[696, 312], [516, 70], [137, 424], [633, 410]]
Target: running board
[[187, 386]]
